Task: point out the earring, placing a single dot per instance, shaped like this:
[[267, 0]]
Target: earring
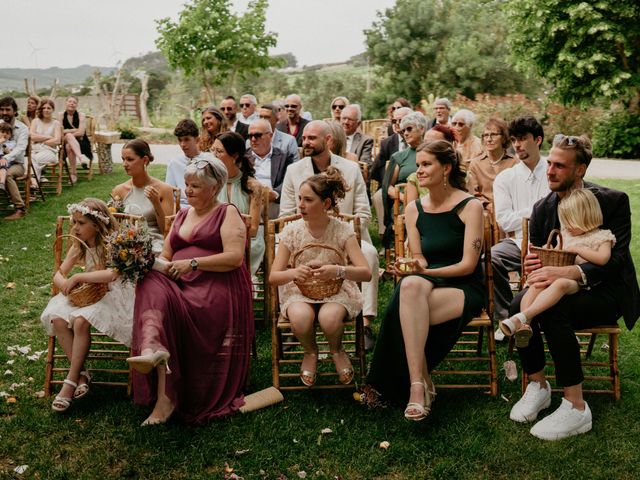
[[444, 178]]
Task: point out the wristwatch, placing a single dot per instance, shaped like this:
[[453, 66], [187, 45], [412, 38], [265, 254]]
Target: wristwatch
[[194, 264]]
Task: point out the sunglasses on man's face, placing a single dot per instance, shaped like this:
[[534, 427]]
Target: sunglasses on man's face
[[257, 135], [245, 105], [458, 124], [292, 107], [226, 109], [335, 107]]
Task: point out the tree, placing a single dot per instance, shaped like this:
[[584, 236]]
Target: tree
[[586, 50], [443, 47], [217, 46]]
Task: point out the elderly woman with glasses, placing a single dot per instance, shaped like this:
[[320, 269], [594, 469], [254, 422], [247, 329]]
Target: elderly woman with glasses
[[213, 123], [402, 163], [193, 324]]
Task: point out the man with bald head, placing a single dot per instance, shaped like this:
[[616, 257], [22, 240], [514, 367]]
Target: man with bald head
[[294, 125], [269, 161], [357, 142], [317, 158]]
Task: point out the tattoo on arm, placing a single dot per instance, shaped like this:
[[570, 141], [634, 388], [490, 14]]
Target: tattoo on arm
[[477, 245]]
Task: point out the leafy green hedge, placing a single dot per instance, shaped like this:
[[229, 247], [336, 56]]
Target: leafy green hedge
[[617, 135]]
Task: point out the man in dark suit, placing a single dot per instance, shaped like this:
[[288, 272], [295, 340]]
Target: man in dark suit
[[607, 292], [230, 109], [270, 162], [294, 125], [358, 143]]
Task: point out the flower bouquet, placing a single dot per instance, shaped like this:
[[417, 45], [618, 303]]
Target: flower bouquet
[[130, 252], [115, 204]]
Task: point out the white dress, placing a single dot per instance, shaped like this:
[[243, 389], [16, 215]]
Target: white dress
[[113, 314], [591, 240], [295, 236], [137, 203]]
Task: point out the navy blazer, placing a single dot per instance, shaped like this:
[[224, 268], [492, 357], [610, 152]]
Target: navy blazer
[[618, 276], [282, 126], [279, 164], [388, 147]]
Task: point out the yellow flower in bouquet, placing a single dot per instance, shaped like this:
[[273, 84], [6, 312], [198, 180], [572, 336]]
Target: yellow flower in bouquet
[[130, 252]]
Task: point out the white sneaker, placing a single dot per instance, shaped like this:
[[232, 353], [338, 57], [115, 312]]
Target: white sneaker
[[498, 335], [564, 422], [535, 398]]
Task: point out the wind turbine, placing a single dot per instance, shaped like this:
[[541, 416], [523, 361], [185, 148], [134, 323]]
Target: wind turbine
[[34, 52]]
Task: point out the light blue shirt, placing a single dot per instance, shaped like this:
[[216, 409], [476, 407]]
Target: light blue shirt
[[263, 167], [175, 173], [21, 137]]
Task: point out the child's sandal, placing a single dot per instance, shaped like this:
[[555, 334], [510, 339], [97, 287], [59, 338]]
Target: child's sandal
[[62, 404], [83, 388], [523, 335]]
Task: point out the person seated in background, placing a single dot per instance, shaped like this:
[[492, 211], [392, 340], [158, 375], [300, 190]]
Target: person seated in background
[[467, 143], [280, 140], [318, 158], [398, 103], [6, 145], [32, 105], [495, 158], [318, 195], [413, 190], [15, 159], [337, 105], [46, 135], [441, 112], [358, 143], [76, 142], [242, 189], [213, 123], [193, 318], [294, 125], [270, 163], [248, 105], [186, 132], [230, 109], [143, 194], [338, 141]]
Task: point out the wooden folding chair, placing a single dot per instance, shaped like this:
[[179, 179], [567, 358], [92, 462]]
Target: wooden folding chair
[[106, 357], [399, 203], [602, 375], [260, 290], [286, 352]]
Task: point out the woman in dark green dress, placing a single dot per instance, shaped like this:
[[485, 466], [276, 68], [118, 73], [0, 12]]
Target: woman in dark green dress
[[443, 288]]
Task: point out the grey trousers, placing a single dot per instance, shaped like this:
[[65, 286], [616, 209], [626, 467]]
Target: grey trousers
[[505, 258]]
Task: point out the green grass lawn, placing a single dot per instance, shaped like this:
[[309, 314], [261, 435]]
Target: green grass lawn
[[468, 434]]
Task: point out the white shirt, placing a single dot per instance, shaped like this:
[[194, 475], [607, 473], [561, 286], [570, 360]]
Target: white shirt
[[250, 119], [263, 168], [349, 141], [402, 145], [175, 173], [515, 191]]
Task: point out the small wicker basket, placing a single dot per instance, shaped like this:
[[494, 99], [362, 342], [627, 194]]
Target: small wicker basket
[[85, 294], [550, 257], [317, 289]]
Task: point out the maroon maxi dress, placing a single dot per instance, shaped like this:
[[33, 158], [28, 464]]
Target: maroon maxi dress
[[204, 320]]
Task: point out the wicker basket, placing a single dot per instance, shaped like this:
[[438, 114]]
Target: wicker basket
[[317, 289], [85, 294], [550, 257]]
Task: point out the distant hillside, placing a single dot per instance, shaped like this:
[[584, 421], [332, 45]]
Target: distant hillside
[[13, 78]]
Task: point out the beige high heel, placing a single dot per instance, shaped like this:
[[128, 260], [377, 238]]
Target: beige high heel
[[423, 410], [146, 363]]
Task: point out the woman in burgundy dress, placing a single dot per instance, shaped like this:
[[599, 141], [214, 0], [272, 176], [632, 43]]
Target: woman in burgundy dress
[[193, 322]]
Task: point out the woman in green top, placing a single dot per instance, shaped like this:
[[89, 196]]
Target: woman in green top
[[402, 163], [442, 289]]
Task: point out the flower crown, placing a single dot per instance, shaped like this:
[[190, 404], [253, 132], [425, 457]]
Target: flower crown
[[84, 210]]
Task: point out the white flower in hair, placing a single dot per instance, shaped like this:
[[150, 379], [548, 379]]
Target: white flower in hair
[[84, 210]]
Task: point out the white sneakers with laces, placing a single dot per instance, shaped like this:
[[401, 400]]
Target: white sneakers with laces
[[564, 422], [534, 400]]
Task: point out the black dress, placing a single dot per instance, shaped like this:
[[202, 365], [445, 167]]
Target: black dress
[[85, 145], [442, 242]]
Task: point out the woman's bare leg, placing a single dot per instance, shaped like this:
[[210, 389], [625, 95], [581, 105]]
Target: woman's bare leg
[[73, 152]]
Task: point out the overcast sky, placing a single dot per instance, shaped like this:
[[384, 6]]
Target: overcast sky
[[68, 33]]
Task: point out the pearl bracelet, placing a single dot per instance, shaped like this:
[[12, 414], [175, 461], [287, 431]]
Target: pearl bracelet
[[342, 272]]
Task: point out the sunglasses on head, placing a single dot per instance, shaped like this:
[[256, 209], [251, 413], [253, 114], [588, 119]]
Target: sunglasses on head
[[570, 140], [257, 135], [292, 106], [201, 164], [335, 107]]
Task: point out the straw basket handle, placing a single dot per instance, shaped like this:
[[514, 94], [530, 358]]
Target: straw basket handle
[[553, 232], [93, 255], [318, 245]]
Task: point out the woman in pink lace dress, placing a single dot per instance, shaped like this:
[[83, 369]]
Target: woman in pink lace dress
[[193, 321]]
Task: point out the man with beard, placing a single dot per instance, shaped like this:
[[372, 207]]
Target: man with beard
[[317, 158], [230, 109], [607, 292], [16, 158], [294, 125]]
